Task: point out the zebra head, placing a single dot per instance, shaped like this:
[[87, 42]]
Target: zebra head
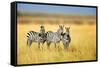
[[42, 37], [61, 29], [42, 29], [67, 33], [67, 30], [66, 37]]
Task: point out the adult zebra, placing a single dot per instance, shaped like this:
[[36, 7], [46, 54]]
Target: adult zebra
[[66, 39], [33, 36], [54, 37]]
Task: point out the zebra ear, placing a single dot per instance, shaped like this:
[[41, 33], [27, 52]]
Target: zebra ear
[[60, 26], [67, 28]]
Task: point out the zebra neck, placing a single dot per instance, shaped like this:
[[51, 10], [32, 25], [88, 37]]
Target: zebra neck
[[67, 33], [58, 32]]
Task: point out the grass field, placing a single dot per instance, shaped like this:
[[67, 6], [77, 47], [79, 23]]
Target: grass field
[[81, 48]]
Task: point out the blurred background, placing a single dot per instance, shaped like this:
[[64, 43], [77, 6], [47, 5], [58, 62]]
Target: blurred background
[[82, 23], [48, 14]]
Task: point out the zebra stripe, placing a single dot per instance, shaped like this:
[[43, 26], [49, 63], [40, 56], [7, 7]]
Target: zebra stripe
[[33, 36], [54, 37], [66, 39]]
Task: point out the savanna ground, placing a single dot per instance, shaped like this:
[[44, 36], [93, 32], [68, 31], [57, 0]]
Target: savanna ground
[[81, 48]]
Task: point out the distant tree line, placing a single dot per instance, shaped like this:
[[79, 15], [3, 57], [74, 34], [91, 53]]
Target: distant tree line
[[24, 17]]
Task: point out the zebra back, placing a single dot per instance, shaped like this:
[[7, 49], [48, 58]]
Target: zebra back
[[55, 37]]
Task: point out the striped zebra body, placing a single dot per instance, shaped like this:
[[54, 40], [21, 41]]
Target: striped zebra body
[[39, 37], [54, 37], [32, 36]]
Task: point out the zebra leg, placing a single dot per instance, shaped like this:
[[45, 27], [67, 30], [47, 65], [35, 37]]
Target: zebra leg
[[48, 44], [39, 45], [29, 42], [66, 46], [42, 45], [55, 45], [58, 44]]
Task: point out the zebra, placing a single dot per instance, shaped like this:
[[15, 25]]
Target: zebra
[[42, 30], [54, 37], [33, 36], [66, 39]]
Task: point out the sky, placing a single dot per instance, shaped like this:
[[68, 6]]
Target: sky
[[55, 9]]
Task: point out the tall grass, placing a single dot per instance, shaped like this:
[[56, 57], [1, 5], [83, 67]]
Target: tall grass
[[81, 48]]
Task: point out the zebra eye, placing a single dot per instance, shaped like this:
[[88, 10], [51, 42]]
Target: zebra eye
[[39, 34], [68, 35], [61, 34]]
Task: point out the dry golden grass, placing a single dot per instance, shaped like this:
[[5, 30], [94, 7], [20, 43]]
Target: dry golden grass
[[81, 48]]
